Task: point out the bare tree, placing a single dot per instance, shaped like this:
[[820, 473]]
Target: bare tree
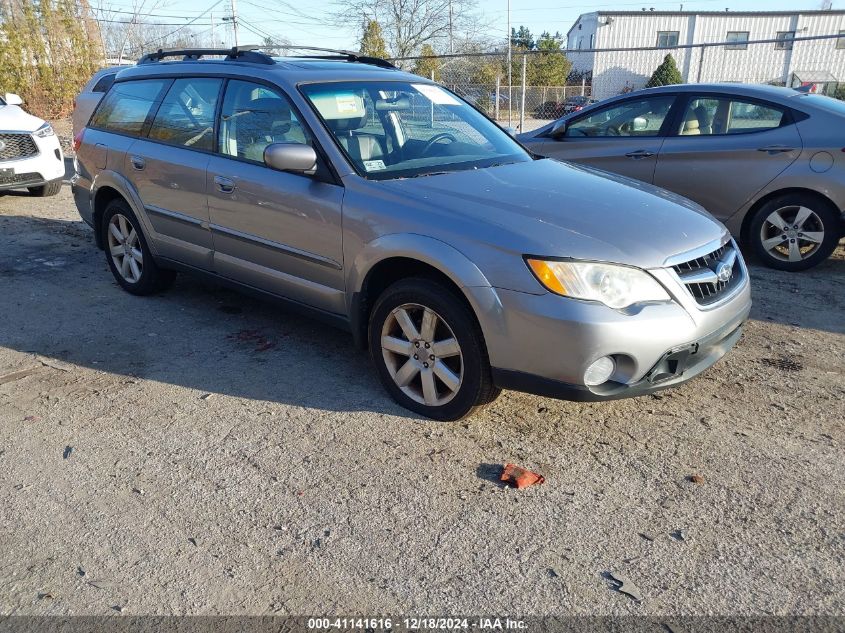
[[408, 24], [128, 34]]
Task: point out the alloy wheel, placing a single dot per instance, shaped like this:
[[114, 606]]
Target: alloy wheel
[[422, 354], [125, 248], [792, 233]]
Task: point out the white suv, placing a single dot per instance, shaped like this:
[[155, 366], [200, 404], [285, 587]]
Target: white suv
[[30, 153]]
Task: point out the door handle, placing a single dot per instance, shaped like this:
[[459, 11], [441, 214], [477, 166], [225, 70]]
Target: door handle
[[138, 162], [224, 185], [640, 153], [775, 149]]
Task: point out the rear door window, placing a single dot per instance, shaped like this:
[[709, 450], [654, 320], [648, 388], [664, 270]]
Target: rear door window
[[186, 115], [128, 105], [725, 115]]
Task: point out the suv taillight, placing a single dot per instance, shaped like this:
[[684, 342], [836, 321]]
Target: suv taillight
[[77, 140]]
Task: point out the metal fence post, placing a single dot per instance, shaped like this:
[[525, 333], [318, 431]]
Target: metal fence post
[[583, 82], [432, 103], [700, 64], [522, 97], [498, 87]]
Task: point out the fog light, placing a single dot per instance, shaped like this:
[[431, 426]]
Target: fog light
[[599, 371]]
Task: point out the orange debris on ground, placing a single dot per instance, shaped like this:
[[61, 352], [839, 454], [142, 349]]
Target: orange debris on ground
[[520, 477]]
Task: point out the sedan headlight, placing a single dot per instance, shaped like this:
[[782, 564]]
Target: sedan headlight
[[615, 286], [44, 131]]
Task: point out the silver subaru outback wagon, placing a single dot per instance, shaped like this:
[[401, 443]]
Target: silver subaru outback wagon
[[390, 207]]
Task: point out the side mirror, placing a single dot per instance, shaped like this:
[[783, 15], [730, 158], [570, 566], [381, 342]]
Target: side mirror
[[294, 157], [640, 124], [12, 99], [558, 129]]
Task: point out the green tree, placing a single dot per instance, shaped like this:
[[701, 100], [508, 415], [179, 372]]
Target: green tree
[[372, 40], [522, 38], [667, 74], [549, 66], [426, 66]]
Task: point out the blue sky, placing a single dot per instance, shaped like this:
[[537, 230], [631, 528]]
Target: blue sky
[[300, 25]]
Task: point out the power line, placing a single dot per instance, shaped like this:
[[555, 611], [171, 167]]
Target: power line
[[149, 23], [158, 39], [105, 11]]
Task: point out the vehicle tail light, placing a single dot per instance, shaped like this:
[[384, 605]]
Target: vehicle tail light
[[77, 140], [578, 108]]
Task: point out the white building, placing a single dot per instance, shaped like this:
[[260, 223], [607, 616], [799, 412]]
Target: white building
[[817, 62]]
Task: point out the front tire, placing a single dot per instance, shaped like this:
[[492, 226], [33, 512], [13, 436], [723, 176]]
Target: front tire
[[127, 253], [795, 231], [429, 350], [51, 188]]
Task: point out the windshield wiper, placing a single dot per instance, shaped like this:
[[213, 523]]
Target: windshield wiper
[[431, 173]]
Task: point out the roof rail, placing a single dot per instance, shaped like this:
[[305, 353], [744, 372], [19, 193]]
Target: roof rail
[[236, 53], [344, 54]]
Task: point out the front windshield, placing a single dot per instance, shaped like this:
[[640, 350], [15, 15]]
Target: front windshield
[[391, 129]]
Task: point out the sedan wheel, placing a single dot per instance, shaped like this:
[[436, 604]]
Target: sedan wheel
[[795, 231], [792, 233], [422, 354], [125, 248]]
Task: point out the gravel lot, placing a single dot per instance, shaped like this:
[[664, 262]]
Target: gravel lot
[[204, 453]]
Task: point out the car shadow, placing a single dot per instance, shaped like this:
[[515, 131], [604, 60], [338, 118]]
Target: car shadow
[[62, 303]]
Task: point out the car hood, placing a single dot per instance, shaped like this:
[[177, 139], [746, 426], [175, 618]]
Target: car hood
[[554, 209], [13, 119]]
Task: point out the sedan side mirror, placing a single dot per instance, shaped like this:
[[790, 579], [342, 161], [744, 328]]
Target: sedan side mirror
[[293, 157], [12, 99], [558, 129]]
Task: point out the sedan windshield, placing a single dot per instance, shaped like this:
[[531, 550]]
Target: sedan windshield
[[395, 129]]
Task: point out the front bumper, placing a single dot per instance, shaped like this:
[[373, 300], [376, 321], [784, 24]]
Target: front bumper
[[35, 170], [543, 344], [677, 365]]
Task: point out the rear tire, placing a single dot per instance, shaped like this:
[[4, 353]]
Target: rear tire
[[51, 188], [127, 253], [795, 231], [429, 351]]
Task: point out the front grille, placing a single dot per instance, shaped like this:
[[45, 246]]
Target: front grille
[[19, 179], [15, 146], [700, 275]]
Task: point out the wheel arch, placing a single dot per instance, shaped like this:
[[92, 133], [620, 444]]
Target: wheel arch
[[752, 210], [110, 186], [396, 257]]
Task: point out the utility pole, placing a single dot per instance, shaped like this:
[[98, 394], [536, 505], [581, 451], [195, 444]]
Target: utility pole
[[213, 42], [451, 37], [235, 20]]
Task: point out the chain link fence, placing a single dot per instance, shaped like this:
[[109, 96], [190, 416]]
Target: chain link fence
[[815, 63]]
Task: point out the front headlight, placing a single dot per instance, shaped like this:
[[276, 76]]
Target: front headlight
[[44, 131], [615, 286]]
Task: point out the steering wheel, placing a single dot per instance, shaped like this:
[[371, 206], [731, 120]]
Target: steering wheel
[[436, 139], [613, 130]]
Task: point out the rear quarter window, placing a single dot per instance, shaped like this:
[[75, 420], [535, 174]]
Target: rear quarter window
[[104, 83], [127, 106]]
